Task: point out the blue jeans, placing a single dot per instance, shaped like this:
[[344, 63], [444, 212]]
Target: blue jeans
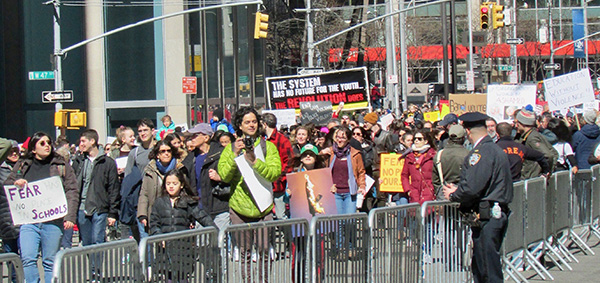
[[345, 203], [92, 231], [31, 241]]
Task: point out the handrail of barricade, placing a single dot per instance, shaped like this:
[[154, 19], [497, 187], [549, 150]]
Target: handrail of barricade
[[269, 251], [339, 246], [11, 262], [191, 255], [446, 243], [395, 243], [115, 261]]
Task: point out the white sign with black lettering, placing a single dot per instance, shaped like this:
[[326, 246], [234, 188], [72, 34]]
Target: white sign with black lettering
[[569, 90], [38, 202]]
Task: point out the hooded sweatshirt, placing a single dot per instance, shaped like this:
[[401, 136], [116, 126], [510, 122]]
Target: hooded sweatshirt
[[584, 141]]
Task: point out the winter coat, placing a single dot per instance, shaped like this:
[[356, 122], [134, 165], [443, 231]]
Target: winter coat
[[58, 167], [358, 169], [241, 201], [166, 219], [214, 125], [535, 140], [584, 142], [416, 177], [164, 129], [213, 204], [451, 159], [151, 189], [103, 195]]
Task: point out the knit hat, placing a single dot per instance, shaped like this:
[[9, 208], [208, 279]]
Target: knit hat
[[589, 116], [309, 147], [526, 117], [371, 118], [218, 113]]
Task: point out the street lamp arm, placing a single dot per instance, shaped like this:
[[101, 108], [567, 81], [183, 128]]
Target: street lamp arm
[[573, 42], [232, 4], [376, 19]]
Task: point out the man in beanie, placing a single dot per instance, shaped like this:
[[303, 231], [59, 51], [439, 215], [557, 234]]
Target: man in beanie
[[383, 143], [528, 135], [585, 139], [518, 153], [218, 121]]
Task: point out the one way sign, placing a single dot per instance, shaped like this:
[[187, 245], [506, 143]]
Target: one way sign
[[57, 96], [554, 66]]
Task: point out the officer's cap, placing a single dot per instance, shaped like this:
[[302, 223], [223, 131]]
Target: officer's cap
[[473, 119]]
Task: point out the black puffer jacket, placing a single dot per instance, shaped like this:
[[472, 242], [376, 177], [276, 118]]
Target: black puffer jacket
[[7, 229], [213, 204], [166, 218]]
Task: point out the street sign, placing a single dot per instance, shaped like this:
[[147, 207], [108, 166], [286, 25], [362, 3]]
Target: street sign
[[189, 85], [515, 41], [555, 66], [41, 75], [57, 96], [505, 67], [310, 70]]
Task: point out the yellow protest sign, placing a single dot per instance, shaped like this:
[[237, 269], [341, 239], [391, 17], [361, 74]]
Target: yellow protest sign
[[390, 179], [432, 116]]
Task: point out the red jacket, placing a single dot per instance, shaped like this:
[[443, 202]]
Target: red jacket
[[416, 177], [285, 152]]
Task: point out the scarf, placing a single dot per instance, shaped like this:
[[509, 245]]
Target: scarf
[[162, 169], [422, 149], [341, 152]]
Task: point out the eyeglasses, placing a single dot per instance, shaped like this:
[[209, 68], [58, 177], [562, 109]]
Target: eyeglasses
[[44, 143], [164, 151], [419, 138], [357, 134]]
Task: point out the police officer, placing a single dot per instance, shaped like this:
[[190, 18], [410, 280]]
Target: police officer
[[485, 188]]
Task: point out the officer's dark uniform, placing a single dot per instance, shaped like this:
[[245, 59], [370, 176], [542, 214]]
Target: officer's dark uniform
[[485, 179]]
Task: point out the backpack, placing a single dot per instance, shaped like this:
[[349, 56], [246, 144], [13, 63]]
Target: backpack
[[130, 193]]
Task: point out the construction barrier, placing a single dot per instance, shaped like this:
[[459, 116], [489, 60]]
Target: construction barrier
[[184, 256], [108, 262], [396, 244]]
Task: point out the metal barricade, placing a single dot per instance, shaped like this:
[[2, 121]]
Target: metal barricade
[[108, 262], [339, 248], [184, 256], [582, 198], [563, 216], [446, 253], [550, 224], [395, 243], [514, 241], [534, 222], [11, 267], [596, 200], [271, 251]]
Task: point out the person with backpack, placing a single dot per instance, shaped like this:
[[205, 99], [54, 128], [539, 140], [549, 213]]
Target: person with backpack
[[41, 162]]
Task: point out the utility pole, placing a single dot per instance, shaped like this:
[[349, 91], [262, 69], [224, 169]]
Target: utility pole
[[513, 47], [403, 61], [391, 89], [57, 60], [551, 35], [309, 35]]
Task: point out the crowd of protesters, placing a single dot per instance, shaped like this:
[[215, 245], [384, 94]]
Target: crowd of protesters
[[175, 180]]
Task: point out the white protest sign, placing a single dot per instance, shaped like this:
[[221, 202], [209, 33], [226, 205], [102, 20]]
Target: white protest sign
[[386, 120], [569, 90], [284, 117], [40, 201], [260, 189], [503, 100]]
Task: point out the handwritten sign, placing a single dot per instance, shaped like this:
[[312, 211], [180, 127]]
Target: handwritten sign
[[349, 86], [390, 179], [503, 100], [569, 90], [40, 201], [316, 112], [462, 103], [284, 117]]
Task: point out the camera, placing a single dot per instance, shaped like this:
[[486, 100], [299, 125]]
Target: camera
[[249, 143]]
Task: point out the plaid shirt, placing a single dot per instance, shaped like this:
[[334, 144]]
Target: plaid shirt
[[285, 151]]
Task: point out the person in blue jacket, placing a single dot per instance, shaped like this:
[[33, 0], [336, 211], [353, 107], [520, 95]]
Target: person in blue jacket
[[585, 139], [219, 122]]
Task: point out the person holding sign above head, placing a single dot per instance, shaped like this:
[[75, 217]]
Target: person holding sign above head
[[41, 162]]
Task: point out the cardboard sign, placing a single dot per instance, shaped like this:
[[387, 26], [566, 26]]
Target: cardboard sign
[[390, 179], [316, 112], [349, 86], [40, 201], [569, 90], [284, 117], [310, 193], [503, 100], [432, 116], [462, 103]]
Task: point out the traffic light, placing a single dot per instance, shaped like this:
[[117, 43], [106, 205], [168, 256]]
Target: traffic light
[[498, 16], [484, 15], [60, 119], [78, 119], [261, 25]]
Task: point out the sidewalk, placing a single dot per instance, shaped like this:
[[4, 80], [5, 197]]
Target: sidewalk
[[585, 271]]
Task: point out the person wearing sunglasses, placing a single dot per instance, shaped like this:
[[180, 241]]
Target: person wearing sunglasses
[[418, 166], [164, 157], [41, 162]]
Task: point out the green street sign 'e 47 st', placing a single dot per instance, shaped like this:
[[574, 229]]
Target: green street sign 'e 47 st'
[[505, 67], [41, 75]]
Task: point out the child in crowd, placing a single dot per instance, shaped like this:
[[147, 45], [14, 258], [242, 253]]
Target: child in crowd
[[167, 127]]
